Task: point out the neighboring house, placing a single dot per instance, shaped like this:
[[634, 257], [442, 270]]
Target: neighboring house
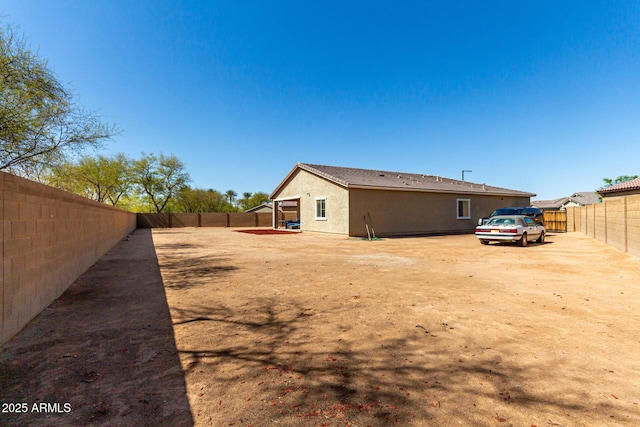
[[287, 206], [576, 199], [263, 208], [344, 200], [623, 189]]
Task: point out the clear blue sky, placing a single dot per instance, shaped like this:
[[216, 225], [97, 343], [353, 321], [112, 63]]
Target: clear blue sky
[[537, 96]]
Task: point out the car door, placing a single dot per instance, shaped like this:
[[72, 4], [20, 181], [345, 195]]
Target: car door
[[533, 229]]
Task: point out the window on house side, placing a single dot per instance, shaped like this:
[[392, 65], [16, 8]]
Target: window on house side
[[321, 212], [464, 208]]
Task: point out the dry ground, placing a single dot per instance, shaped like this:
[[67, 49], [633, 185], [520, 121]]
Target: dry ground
[[311, 329]]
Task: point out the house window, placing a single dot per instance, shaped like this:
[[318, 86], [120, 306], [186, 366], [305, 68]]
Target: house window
[[321, 211], [464, 208]]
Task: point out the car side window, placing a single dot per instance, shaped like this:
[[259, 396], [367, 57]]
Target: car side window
[[528, 221]]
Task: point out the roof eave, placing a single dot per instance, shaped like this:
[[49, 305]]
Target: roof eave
[[452, 191]]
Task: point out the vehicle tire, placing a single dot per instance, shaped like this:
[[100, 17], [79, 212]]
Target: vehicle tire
[[484, 242], [523, 240], [541, 238]]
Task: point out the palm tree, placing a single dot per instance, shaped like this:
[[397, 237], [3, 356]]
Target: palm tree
[[231, 195]]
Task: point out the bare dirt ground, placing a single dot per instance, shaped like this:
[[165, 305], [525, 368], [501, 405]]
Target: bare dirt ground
[[322, 330]]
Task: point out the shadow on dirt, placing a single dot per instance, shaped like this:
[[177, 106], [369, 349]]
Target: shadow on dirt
[[283, 372], [188, 272], [105, 347]]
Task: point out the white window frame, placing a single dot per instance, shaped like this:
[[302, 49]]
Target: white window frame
[[320, 218], [458, 216]]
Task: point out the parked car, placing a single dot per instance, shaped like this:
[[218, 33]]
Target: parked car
[[510, 228], [534, 213]]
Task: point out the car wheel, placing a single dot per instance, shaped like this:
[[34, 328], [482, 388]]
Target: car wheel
[[484, 242], [523, 241], [541, 238]]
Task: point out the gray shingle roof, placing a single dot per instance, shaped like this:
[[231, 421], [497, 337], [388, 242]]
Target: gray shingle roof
[[550, 204], [581, 198], [634, 184], [586, 197], [387, 180]]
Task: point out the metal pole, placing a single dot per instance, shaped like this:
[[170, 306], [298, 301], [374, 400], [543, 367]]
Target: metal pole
[[463, 171]]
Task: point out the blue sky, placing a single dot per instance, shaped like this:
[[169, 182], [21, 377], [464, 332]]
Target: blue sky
[[535, 96]]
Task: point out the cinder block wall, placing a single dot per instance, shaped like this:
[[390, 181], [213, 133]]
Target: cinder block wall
[[633, 224], [49, 238], [615, 221], [616, 224], [206, 219], [242, 219]]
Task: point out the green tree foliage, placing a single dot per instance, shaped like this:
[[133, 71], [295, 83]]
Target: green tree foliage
[[159, 178], [608, 182], [244, 202], [250, 200], [199, 200], [231, 199], [102, 178], [149, 184], [41, 123]]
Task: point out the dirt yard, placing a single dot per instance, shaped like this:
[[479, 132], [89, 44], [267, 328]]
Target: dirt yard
[[320, 330]]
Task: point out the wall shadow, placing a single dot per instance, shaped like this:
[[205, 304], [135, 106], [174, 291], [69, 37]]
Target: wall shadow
[[105, 348]]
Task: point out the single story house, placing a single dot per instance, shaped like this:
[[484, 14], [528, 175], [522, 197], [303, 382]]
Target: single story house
[[287, 206], [576, 199], [263, 208], [343, 200], [623, 189]]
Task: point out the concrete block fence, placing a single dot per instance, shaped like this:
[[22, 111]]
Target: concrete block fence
[[49, 238], [210, 219], [615, 221]]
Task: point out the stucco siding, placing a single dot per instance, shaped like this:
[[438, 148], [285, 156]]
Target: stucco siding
[[310, 188], [408, 212]]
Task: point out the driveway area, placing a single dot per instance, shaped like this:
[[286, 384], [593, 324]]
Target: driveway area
[[216, 327]]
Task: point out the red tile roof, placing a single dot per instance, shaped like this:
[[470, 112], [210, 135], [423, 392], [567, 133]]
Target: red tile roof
[[634, 184]]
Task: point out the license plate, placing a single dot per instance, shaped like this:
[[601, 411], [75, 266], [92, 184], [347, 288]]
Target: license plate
[[495, 230]]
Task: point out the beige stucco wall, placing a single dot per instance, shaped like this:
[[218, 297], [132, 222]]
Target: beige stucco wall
[[411, 212], [309, 187], [49, 238]]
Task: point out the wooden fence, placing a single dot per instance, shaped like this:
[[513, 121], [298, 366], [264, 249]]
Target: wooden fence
[[555, 221]]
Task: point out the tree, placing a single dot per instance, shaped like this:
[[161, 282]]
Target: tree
[[251, 200], [608, 182], [231, 196], [159, 178], [103, 179], [244, 202], [41, 123], [199, 200]]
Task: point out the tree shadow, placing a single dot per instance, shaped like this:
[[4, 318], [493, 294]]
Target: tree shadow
[[106, 347], [190, 272], [267, 356]]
